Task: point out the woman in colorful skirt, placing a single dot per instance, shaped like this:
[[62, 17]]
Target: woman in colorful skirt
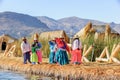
[[38, 51], [52, 45], [61, 54], [76, 51], [34, 58]]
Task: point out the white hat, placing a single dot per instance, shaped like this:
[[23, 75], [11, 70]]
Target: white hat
[[35, 38], [61, 36], [76, 36]]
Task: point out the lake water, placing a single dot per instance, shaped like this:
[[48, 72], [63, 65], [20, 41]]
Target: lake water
[[10, 75]]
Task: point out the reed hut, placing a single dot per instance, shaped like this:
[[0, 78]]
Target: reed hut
[[104, 32], [83, 33], [6, 43], [53, 34]]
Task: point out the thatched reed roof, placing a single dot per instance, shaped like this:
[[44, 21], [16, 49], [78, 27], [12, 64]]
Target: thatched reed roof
[[100, 29], [84, 31], [6, 43], [6, 37], [53, 34]]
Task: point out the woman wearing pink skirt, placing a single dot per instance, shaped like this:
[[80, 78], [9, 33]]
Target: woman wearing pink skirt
[[38, 51]]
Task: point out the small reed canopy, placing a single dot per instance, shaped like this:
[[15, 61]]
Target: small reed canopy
[[53, 34]]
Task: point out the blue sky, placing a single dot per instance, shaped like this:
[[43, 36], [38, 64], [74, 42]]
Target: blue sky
[[102, 10]]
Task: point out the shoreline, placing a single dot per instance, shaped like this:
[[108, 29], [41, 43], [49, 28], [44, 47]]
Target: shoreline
[[84, 71]]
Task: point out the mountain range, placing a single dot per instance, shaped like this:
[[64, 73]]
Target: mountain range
[[73, 24], [19, 25]]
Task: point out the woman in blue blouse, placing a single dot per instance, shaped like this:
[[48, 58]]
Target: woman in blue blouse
[[52, 47]]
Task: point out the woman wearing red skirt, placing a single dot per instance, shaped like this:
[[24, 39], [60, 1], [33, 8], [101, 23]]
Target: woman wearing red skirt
[[76, 53]]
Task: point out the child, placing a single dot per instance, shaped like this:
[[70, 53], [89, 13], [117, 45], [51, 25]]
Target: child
[[34, 58]]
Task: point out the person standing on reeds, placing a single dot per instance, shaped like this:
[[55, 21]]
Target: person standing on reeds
[[38, 50], [61, 54], [53, 49], [76, 53], [26, 49], [34, 57]]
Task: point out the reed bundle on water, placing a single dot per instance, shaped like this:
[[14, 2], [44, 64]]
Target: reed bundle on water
[[84, 71]]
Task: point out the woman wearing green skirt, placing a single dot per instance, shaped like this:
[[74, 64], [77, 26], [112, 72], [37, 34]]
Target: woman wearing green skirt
[[33, 57]]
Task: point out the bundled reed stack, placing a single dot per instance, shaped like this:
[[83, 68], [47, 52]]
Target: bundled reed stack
[[107, 32], [114, 54], [85, 71]]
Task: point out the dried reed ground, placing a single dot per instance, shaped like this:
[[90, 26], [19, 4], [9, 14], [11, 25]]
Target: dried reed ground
[[85, 71]]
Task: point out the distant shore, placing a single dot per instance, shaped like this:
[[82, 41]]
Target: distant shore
[[84, 71]]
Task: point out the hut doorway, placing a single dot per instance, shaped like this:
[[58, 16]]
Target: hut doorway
[[4, 44]]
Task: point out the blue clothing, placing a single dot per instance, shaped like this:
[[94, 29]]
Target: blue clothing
[[52, 52], [52, 46], [39, 45], [52, 57], [64, 47], [33, 62], [61, 57], [26, 57]]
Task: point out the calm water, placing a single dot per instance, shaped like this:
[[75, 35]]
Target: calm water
[[10, 75]]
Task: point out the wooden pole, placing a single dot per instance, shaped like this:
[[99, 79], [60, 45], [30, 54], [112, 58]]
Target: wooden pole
[[7, 49], [87, 52], [114, 53], [115, 60], [102, 59], [11, 51], [85, 59], [84, 49], [103, 53], [114, 46], [107, 53]]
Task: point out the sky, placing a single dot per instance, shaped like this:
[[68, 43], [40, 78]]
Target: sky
[[102, 10]]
